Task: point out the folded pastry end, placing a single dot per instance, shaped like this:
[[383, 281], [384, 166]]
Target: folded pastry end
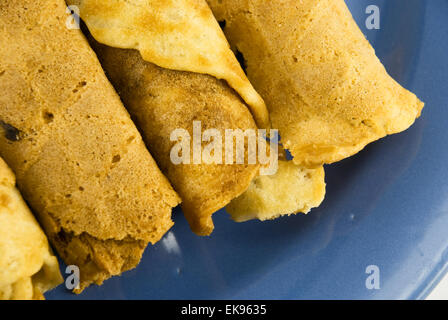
[[291, 190]]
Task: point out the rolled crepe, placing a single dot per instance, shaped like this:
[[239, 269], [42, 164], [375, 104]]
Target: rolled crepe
[[79, 160], [162, 101], [326, 91], [28, 268]]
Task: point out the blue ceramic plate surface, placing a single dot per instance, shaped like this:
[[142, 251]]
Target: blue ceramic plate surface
[[387, 206]]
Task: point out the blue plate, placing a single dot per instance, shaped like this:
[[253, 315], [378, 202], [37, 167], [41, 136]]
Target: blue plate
[[387, 206]]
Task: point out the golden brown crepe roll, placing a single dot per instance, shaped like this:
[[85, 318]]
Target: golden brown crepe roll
[[28, 268], [326, 91], [79, 160], [161, 101]]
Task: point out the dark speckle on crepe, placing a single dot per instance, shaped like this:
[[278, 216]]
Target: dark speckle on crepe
[[222, 24], [11, 133]]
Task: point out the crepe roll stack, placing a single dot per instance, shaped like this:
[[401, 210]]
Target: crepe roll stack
[[80, 161], [165, 58]]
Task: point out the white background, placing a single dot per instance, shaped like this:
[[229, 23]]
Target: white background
[[441, 291]]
